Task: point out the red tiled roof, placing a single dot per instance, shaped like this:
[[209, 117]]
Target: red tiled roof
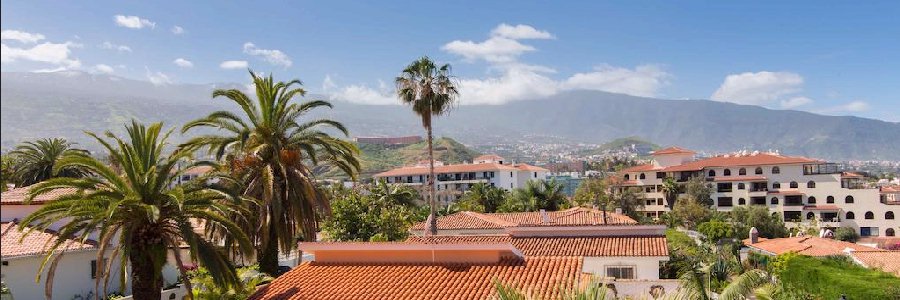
[[641, 168], [672, 150], [527, 167], [890, 189], [422, 170], [198, 170], [542, 276], [35, 243], [17, 196], [578, 216], [851, 174], [740, 178], [806, 245], [562, 246], [888, 261], [745, 160]]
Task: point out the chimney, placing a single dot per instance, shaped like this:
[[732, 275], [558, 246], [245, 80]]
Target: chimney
[[544, 217], [618, 210], [754, 235]]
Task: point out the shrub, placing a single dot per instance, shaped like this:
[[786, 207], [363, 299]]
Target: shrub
[[846, 234]]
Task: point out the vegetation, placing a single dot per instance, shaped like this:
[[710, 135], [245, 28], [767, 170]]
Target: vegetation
[[377, 158], [482, 197], [7, 172], [699, 190], [745, 217], [35, 161], [593, 192], [829, 278], [534, 196], [846, 234], [272, 149], [383, 212], [691, 212], [138, 214], [205, 287], [715, 230]]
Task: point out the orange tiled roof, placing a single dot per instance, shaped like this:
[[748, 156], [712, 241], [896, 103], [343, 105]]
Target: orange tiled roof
[[35, 243], [17, 196], [578, 216], [890, 189], [745, 160], [198, 170], [542, 276], [672, 150], [562, 246], [458, 168], [811, 246], [527, 167], [888, 261]]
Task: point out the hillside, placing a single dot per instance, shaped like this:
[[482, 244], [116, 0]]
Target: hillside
[[378, 158], [631, 144]]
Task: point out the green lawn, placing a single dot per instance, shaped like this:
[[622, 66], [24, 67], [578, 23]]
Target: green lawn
[[829, 278]]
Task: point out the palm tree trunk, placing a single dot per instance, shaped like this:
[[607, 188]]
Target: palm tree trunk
[[432, 219], [268, 256], [146, 281]]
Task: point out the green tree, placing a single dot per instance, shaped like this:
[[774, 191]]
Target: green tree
[[482, 197], [846, 234], [204, 286], [35, 161], [536, 195], [273, 149], [768, 224], [7, 176], [368, 216], [691, 212], [430, 91], [140, 214], [594, 192], [670, 190], [700, 190], [715, 230], [393, 194], [629, 200]]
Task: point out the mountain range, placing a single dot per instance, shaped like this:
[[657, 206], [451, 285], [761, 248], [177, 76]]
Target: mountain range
[[65, 104]]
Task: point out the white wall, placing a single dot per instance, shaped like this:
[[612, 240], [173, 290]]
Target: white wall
[[645, 267], [73, 277]]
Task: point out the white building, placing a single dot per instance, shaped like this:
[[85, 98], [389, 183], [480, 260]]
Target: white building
[[453, 180], [804, 191]]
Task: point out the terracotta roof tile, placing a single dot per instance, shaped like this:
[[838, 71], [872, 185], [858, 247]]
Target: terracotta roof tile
[[527, 167], [811, 246], [890, 189], [744, 160], [35, 243], [542, 276], [422, 170], [672, 150], [17, 196], [888, 261], [571, 217], [562, 246]]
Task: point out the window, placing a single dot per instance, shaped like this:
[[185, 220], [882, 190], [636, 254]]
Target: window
[[408, 178], [889, 232], [510, 175], [535, 174], [660, 175], [742, 201], [850, 215], [626, 177], [492, 174], [725, 202], [868, 231], [741, 186], [830, 199], [94, 267], [848, 199], [870, 215], [811, 200], [727, 172], [794, 184], [643, 176], [742, 171], [810, 215], [723, 187], [811, 184], [889, 215], [758, 171], [776, 170], [620, 272], [712, 173], [776, 185], [774, 200]]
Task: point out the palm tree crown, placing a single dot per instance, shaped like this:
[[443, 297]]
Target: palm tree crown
[[35, 160], [273, 152], [138, 214]]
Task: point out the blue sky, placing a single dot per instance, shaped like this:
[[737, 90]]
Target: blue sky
[[837, 58]]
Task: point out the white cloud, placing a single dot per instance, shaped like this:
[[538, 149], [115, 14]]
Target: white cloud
[[234, 64], [495, 49], [52, 53], [184, 63], [520, 32], [795, 102], [158, 78], [177, 30], [105, 69], [643, 80], [272, 56], [111, 46], [21, 36], [51, 70], [133, 22], [760, 88]]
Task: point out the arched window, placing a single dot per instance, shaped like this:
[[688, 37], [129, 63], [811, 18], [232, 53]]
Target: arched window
[[810, 215], [889, 215], [775, 185], [774, 200], [626, 177], [848, 199], [811, 200], [758, 171], [870, 215], [741, 186], [742, 201], [830, 199], [794, 184], [811, 184], [727, 172], [643, 176], [850, 215], [712, 173], [776, 170], [742, 171], [889, 232]]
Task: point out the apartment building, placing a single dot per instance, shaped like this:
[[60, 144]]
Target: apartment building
[[804, 191], [454, 180]]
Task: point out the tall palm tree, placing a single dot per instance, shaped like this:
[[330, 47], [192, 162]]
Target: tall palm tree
[[670, 191], [35, 160], [139, 215], [543, 194], [431, 92], [272, 148]]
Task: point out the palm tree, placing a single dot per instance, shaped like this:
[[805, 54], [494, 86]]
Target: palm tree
[[35, 160], [482, 197], [273, 151], [670, 191], [393, 194], [430, 91], [139, 215], [540, 194]]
